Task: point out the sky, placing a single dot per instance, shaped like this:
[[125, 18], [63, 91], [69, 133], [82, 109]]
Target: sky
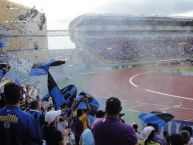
[[63, 11]]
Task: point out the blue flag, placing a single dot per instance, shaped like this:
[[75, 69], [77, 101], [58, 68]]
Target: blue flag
[[55, 93], [68, 92], [94, 104], [42, 68], [156, 118]]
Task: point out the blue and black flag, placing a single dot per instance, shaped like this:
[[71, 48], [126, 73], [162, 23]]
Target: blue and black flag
[[39, 69], [158, 118], [55, 93], [94, 104], [4, 68], [69, 93]]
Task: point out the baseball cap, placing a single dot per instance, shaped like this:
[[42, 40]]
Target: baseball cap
[[51, 115]]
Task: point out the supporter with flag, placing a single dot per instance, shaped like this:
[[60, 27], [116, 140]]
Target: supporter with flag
[[94, 104], [54, 91], [69, 93], [81, 121], [156, 119]]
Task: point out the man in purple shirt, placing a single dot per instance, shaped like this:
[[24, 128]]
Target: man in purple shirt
[[110, 130]]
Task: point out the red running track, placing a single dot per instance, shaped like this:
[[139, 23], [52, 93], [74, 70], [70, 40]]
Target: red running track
[[154, 91]]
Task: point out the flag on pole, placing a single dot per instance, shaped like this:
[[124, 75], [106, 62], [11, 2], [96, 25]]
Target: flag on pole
[[39, 69], [55, 93], [69, 93]]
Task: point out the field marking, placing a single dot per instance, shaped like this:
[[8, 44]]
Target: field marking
[[164, 94], [156, 92], [131, 78]]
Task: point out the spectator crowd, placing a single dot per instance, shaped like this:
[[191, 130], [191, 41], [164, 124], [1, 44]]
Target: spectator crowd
[[127, 49], [26, 120]]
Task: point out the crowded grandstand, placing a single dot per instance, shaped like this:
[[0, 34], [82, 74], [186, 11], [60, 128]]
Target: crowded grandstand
[[124, 39]]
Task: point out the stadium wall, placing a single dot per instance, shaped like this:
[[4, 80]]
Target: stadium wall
[[23, 28]]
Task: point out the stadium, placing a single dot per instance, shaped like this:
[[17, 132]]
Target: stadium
[[148, 60], [145, 61]]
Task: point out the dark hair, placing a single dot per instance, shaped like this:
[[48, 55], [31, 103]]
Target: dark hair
[[150, 137], [155, 126], [34, 104], [2, 100], [166, 133], [13, 93], [113, 106], [176, 139], [188, 128], [167, 137], [79, 112], [186, 136], [100, 114], [135, 126]]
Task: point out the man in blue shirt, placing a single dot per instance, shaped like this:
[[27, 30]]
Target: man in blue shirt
[[39, 116], [16, 126]]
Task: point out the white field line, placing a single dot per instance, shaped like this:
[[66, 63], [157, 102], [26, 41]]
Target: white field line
[[164, 107], [131, 78], [169, 95], [156, 92]]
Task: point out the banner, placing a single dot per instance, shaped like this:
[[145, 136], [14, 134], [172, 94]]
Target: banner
[[174, 126]]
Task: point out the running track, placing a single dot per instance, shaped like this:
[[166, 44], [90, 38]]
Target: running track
[[145, 90]]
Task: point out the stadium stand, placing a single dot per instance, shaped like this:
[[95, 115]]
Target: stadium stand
[[124, 39]]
